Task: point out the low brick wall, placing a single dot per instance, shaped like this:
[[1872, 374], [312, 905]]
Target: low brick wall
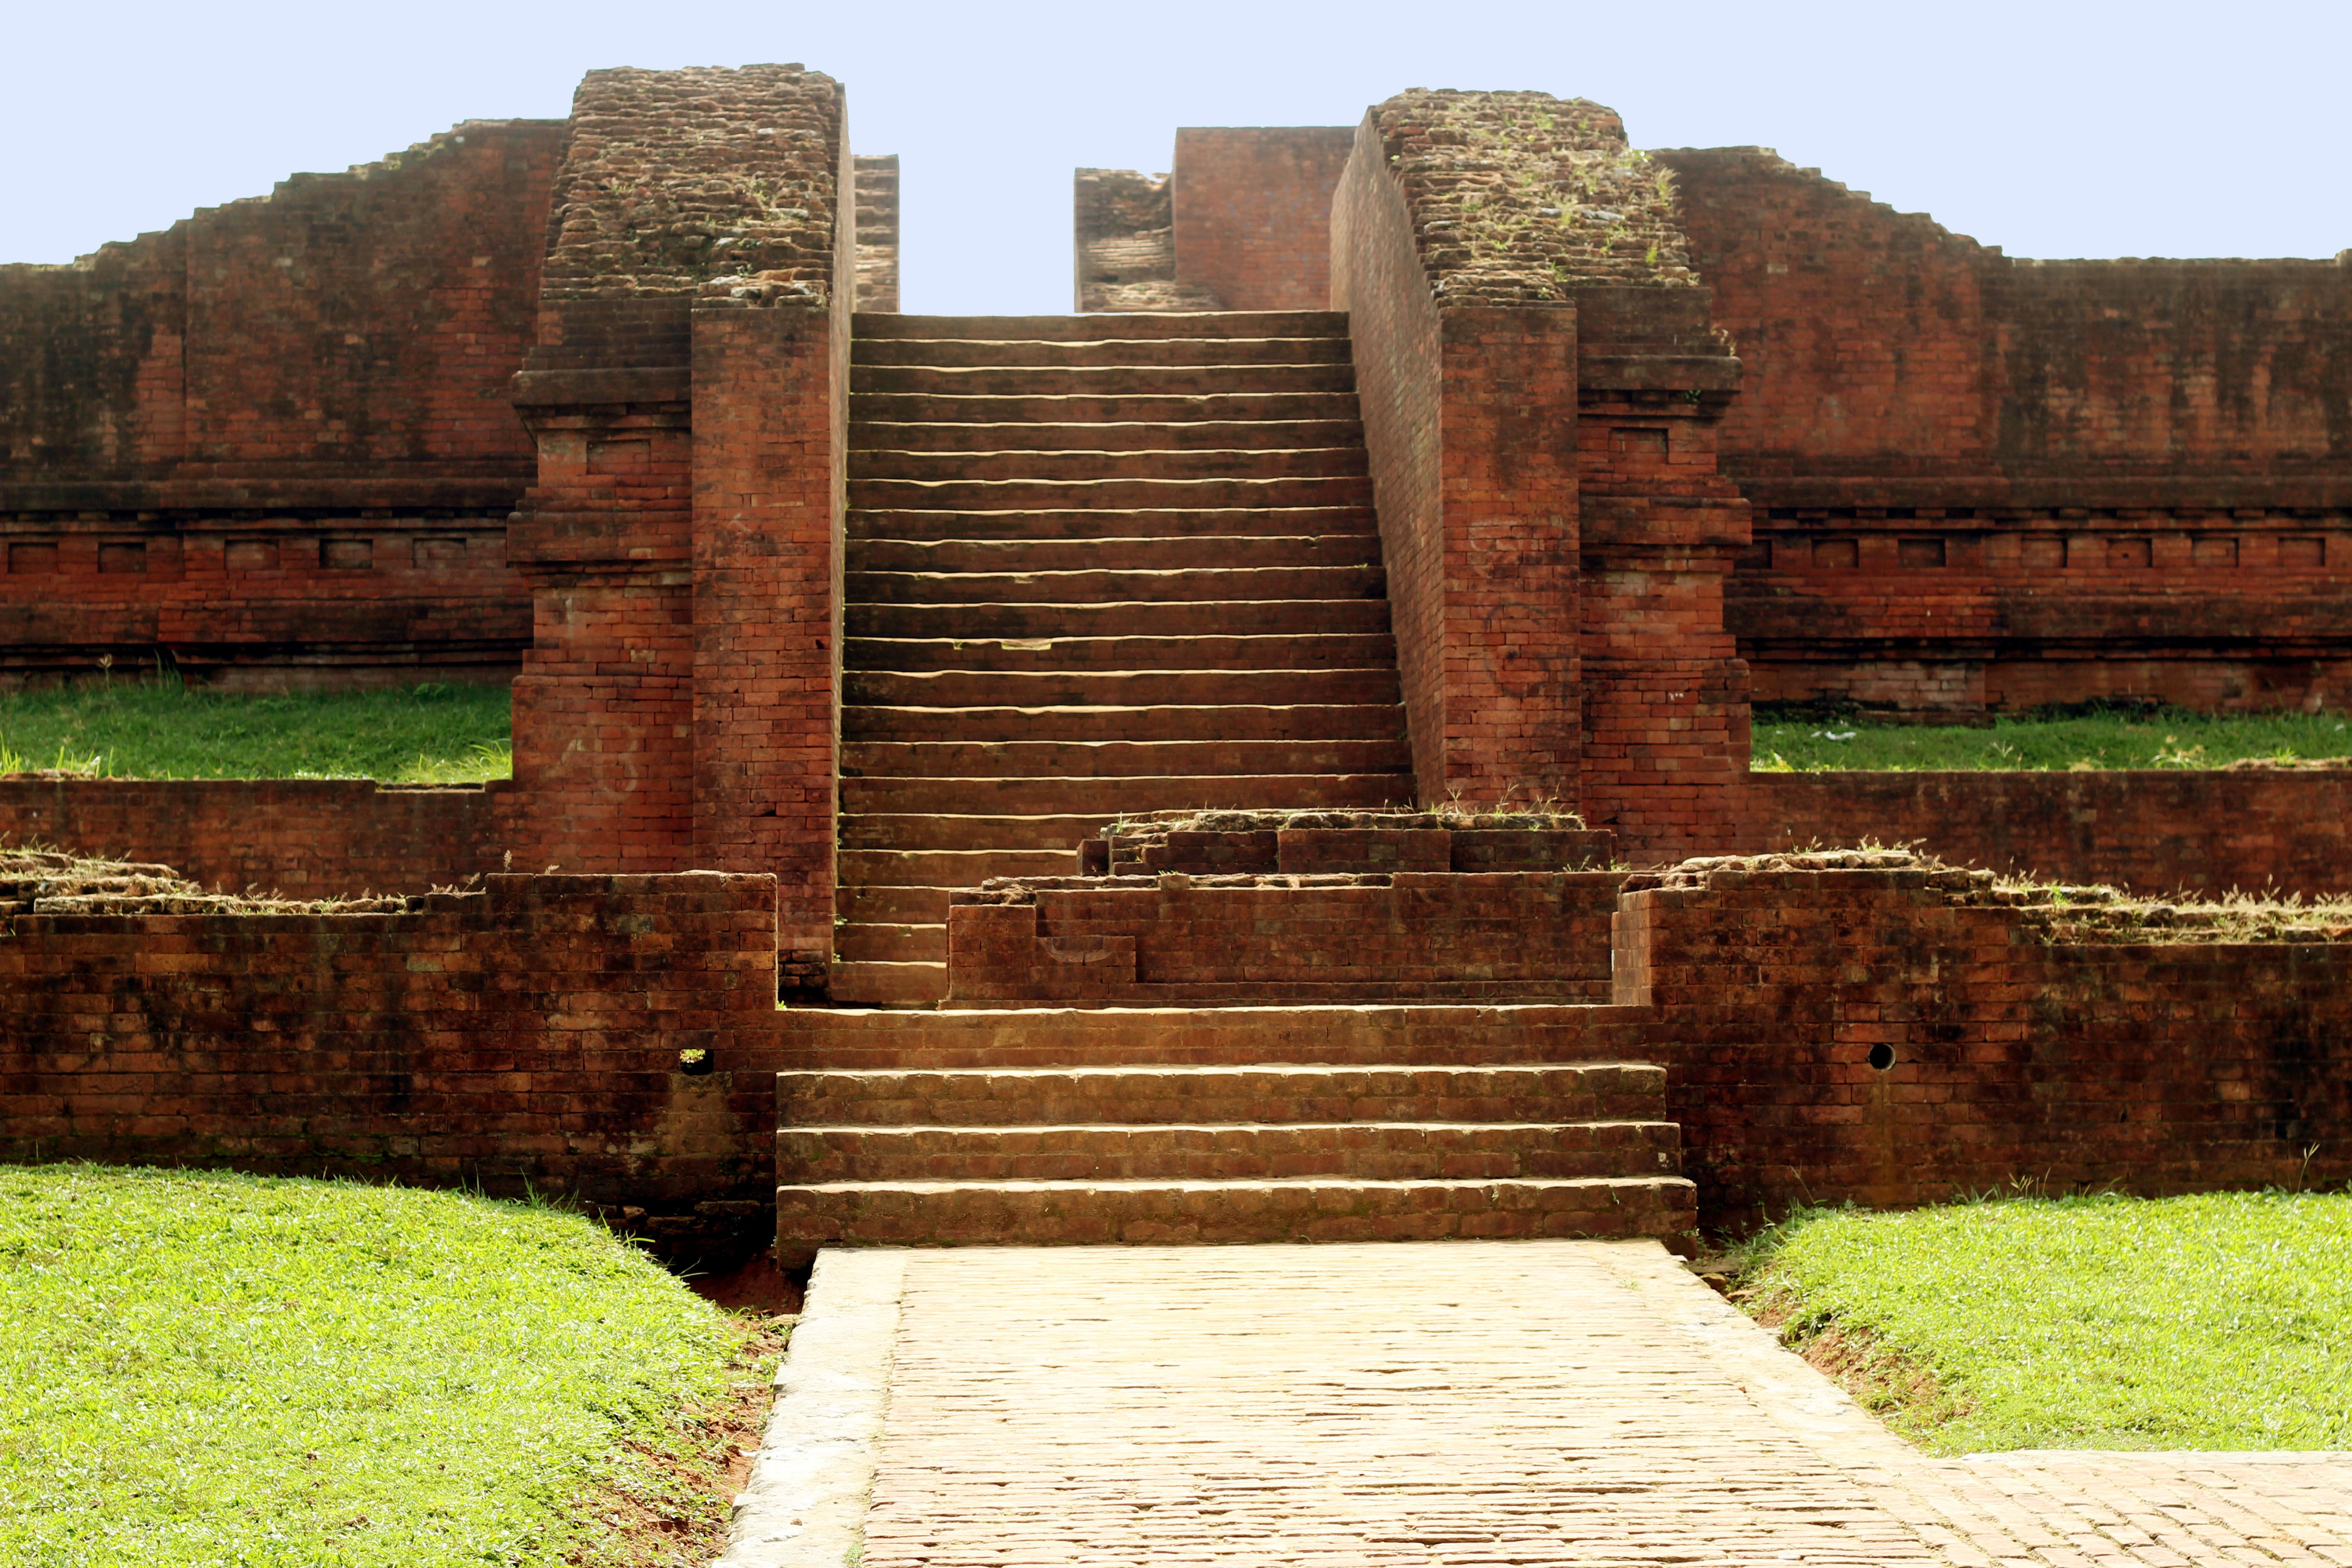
[[305, 838], [2154, 832], [1259, 942], [530, 1036], [1890, 1036]]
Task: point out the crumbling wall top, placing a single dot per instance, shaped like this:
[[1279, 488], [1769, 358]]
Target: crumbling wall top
[[1520, 197], [710, 182]]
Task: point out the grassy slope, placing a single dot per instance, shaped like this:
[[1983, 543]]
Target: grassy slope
[[2102, 740], [2219, 1322], [422, 734], [226, 1369]]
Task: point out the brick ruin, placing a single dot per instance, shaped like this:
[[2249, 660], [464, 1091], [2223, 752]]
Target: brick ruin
[[1266, 756]]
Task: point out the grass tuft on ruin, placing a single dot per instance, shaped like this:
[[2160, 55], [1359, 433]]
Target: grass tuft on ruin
[[2217, 1322], [209, 1368], [436, 732], [2092, 741]]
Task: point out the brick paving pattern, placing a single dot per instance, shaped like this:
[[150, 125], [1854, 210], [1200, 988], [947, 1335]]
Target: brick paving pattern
[[1467, 1404]]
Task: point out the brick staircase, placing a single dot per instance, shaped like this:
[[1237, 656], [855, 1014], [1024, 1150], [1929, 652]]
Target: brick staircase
[[1097, 565], [1225, 1125]]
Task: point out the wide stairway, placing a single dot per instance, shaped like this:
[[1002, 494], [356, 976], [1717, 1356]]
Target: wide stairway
[[1097, 565], [1224, 1125]]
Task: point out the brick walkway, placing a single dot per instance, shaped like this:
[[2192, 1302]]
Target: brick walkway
[[1464, 1403]]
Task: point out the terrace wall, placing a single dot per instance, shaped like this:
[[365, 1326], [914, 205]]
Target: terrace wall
[[2003, 1056], [271, 444], [1251, 213], [1990, 484], [2154, 832], [528, 1037]]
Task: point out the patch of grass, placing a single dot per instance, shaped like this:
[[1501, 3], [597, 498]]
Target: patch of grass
[[2220, 1321], [433, 733], [213, 1369], [2092, 741]]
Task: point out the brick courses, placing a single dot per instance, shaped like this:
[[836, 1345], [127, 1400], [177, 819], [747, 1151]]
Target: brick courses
[[1249, 210], [276, 434]]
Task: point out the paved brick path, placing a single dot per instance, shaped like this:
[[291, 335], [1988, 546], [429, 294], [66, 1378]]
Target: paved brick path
[[1458, 1404]]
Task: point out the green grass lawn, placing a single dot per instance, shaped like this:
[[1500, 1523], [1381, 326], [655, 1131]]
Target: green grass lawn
[[2220, 1321], [208, 1368], [2097, 741], [432, 734]]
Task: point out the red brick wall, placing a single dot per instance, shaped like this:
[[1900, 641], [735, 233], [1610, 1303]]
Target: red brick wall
[[2146, 1069], [2154, 832], [527, 1036], [1474, 937], [304, 838], [1253, 213], [1469, 418], [277, 434], [1987, 483]]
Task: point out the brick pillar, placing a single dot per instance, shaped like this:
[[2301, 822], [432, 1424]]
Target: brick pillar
[[1508, 523], [1665, 697], [771, 389], [602, 709]]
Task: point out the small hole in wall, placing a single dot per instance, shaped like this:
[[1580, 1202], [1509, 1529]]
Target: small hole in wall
[[696, 1063], [1881, 1056]]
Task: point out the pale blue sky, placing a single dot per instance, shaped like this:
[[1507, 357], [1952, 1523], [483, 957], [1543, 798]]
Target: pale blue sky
[[2051, 129]]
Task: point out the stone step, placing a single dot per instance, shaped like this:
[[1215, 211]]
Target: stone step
[[1171, 723], [1100, 381], [1200, 551], [1097, 327], [1376, 1034], [1086, 466], [1375, 1151], [887, 984], [1036, 353], [1112, 522], [892, 942], [947, 867], [1074, 409], [1331, 1209], [1365, 650], [1223, 758], [1190, 584], [1105, 799], [1256, 1092], [1117, 689], [882, 904], [1167, 434], [964, 830], [1029, 621], [1091, 495]]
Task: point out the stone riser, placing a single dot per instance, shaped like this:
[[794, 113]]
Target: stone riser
[[1367, 722], [922, 1214], [1355, 651], [1038, 353], [1120, 688], [1366, 1150], [1072, 466], [1013, 1096], [1188, 586], [1168, 552], [1163, 433], [1104, 327], [1230, 759], [1101, 380], [1117, 522], [1094, 495], [1100, 800], [1245, 617]]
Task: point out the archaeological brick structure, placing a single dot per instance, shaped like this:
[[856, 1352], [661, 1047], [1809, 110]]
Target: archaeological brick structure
[[1429, 497]]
